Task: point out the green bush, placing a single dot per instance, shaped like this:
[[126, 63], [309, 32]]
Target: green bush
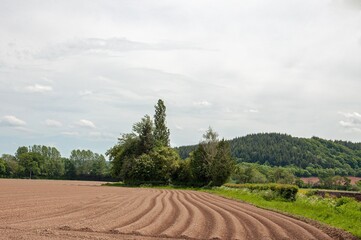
[[342, 201], [268, 195], [310, 193], [285, 191]]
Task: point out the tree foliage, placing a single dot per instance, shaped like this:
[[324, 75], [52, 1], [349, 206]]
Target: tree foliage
[[211, 163], [145, 130], [2, 167]]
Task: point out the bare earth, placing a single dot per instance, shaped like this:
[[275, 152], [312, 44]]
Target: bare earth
[[45, 209]]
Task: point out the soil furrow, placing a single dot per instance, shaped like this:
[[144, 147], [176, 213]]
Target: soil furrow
[[75, 210], [183, 220], [235, 228], [258, 226], [33, 209], [213, 222], [200, 222], [147, 218], [132, 216]]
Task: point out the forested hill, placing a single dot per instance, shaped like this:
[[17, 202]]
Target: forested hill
[[306, 154]]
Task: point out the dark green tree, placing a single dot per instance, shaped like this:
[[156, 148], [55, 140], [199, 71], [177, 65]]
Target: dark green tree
[[145, 128], [222, 165], [69, 168], [211, 163], [161, 132]]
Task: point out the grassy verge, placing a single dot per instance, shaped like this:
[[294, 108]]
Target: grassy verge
[[343, 213]]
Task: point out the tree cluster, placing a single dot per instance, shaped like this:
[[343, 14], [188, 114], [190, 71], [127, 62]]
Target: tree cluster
[[144, 156], [257, 173], [46, 162]]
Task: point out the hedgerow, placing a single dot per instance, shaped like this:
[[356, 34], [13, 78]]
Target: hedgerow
[[285, 191]]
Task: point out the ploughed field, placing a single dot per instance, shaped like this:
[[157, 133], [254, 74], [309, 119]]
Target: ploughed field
[[45, 209]]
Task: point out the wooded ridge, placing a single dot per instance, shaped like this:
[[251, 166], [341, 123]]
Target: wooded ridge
[[308, 156]]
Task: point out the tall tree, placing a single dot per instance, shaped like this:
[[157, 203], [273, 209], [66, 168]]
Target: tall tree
[[161, 132], [20, 151]]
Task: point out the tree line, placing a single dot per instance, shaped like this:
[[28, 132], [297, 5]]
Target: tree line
[[40, 161], [144, 156]]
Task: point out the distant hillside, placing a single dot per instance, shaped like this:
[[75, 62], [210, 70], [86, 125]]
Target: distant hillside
[[307, 155]]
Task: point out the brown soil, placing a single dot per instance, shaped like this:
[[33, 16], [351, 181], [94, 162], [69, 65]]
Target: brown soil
[[44, 209]]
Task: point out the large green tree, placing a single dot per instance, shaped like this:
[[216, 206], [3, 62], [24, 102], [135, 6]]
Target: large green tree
[[33, 163], [161, 132]]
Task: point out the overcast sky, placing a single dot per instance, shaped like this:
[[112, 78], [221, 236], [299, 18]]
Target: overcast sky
[[75, 74]]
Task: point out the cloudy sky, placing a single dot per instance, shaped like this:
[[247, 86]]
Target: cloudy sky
[[76, 74]]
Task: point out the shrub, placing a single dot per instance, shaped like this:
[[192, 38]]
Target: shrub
[[268, 195], [343, 200], [311, 193]]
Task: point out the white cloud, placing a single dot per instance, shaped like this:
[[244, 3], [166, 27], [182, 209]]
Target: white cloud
[[12, 121], [202, 104], [178, 127], [37, 88], [251, 111], [70, 133], [102, 135], [85, 92], [352, 121], [53, 123], [107, 45], [85, 123], [202, 130]]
